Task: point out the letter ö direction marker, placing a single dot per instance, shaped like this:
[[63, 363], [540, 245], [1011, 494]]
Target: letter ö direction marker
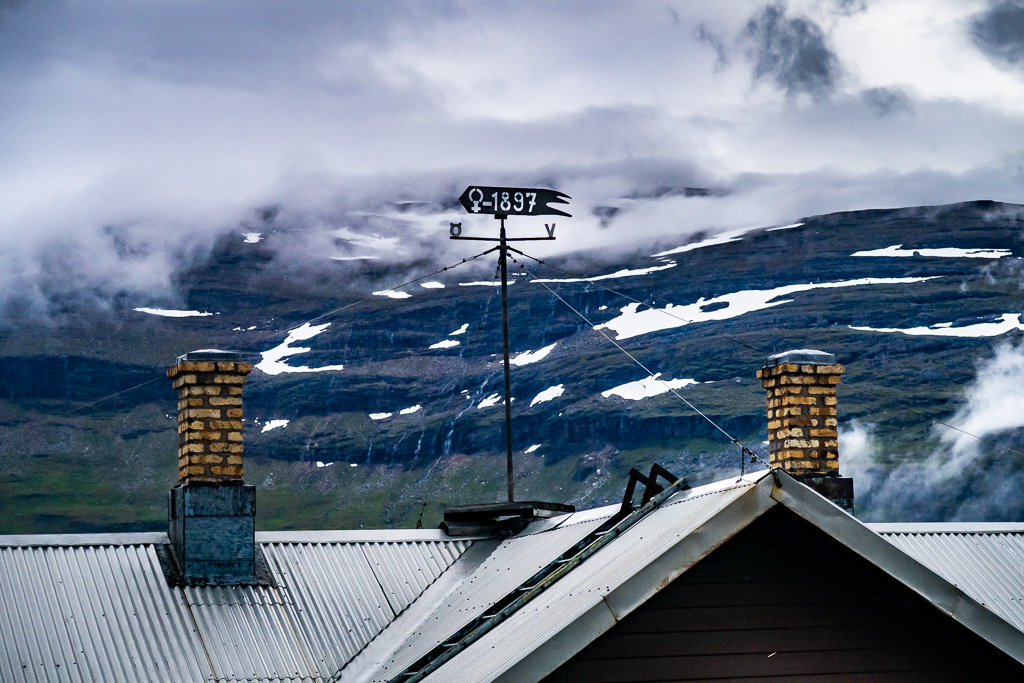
[[455, 229]]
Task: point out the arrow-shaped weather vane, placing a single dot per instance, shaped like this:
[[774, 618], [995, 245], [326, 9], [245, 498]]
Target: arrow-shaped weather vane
[[513, 201], [502, 202]]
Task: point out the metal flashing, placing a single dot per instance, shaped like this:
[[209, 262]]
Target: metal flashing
[[212, 530], [208, 355], [82, 540], [887, 528], [357, 536], [801, 356], [314, 536]]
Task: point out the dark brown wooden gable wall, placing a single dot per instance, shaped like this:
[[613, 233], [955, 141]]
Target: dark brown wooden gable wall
[[782, 601]]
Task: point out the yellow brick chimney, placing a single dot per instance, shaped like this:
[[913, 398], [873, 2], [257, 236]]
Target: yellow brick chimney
[[209, 385], [803, 436]]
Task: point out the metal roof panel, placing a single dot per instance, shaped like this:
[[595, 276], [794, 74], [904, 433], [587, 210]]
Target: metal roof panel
[[987, 566], [93, 613], [513, 561], [105, 611]]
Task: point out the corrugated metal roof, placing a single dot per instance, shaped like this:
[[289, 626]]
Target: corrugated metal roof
[[95, 613], [987, 564], [514, 561], [97, 607], [105, 612], [589, 583]]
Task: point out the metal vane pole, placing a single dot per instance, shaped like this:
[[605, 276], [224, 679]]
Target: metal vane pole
[[508, 380], [501, 202]]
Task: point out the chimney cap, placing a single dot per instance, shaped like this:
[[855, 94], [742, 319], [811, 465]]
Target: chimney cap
[[210, 354], [801, 356]]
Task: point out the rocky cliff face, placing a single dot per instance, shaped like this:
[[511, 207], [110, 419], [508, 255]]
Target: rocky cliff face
[[410, 414]]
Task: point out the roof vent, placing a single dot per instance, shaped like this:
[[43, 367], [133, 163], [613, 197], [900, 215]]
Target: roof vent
[[498, 519]]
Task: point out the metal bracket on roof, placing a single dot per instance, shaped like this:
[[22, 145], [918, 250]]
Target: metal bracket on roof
[[651, 486]]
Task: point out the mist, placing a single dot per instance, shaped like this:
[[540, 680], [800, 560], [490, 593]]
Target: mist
[[970, 471], [134, 137]]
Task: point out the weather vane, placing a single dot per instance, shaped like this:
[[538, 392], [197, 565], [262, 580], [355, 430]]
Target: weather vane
[[502, 202]]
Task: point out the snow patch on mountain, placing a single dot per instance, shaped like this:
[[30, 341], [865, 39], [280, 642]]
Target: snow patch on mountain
[[431, 285], [528, 357], [626, 272], [171, 313], [1007, 322], [273, 360], [632, 322], [409, 411], [547, 395], [444, 344], [252, 237], [785, 227], [274, 424], [647, 387], [897, 250], [723, 238], [392, 294], [461, 330], [484, 283], [380, 416], [491, 400]]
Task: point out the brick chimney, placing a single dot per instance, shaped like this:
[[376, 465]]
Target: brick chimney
[[211, 515], [209, 385], [802, 426]]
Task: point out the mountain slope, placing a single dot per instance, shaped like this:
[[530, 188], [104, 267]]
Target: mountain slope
[[401, 427]]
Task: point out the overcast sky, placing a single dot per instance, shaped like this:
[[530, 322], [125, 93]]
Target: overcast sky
[[171, 121]]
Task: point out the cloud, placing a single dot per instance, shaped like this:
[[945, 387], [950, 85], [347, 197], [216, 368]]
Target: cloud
[[791, 52], [851, 6], [887, 100], [858, 450], [170, 126], [995, 401], [707, 36], [999, 31], [966, 476]]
